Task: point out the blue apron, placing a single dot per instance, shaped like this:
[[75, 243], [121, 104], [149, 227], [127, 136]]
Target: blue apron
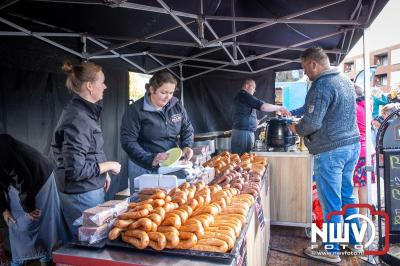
[[34, 239]]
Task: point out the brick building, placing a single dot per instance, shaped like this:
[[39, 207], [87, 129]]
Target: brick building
[[387, 61]]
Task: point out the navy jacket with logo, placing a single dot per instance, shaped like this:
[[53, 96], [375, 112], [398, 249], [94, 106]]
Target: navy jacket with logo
[[78, 147], [146, 131]]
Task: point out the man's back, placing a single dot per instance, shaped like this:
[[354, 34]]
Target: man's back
[[330, 115]]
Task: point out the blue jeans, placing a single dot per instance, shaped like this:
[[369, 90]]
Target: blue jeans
[[333, 171], [242, 141], [72, 206]]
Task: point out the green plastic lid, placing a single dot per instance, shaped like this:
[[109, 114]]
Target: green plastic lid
[[174, 156]]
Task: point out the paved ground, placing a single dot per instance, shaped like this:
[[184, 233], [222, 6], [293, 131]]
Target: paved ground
[[286, 248]]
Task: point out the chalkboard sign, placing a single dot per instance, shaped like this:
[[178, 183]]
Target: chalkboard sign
[[392, 188]]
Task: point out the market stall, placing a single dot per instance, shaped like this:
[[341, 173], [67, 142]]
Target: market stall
[[190, 39], [224, 223]]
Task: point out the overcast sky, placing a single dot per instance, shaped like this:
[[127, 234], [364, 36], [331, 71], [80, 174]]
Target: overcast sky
[[384, 31]]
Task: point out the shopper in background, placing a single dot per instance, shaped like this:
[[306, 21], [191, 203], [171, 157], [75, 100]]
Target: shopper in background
[[330, 131], [393, 96], [378, 100], [360, 173], [82, 166], [244, 117], [29, 202]]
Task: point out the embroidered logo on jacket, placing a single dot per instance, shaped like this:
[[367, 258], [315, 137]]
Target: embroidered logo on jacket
[[176, 118]]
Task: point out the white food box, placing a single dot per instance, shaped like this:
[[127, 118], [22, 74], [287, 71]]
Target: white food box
[[156, 181], [175, 167]]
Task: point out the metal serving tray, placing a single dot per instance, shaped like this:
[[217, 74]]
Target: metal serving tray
[[212, 256]]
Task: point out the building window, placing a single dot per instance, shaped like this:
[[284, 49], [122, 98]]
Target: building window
[[381, 80], [348, 67], [381, 59]]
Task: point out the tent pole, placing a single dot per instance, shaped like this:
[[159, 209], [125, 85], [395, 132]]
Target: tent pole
[[294, 45], [367, 95], [151, 35], [188, 58], [234, 49], [84, 51], [339, 56], [149, 8], [286, 20], [272, 52], [226, 70], [191, 59], [281, 59], [180, 22], [267, 24], [181, 81], [8, 3], [221, 43], [200, 22], [335, 51], [15, 26], [250, 58], [161, 63], [119, 55], [244, 57]]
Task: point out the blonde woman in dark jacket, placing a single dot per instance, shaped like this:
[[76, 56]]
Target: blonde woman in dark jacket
[[82, 167]]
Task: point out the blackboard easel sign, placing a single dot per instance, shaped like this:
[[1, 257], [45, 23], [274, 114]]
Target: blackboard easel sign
[[392, 189]]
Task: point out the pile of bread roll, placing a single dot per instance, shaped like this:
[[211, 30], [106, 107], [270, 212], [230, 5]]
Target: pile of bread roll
[[243, 173], [196, 217]]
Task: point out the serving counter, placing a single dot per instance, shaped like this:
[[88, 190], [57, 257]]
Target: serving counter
[[291, 187], [253, 248]]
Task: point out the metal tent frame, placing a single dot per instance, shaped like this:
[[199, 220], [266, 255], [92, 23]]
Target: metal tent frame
[[228, 43]]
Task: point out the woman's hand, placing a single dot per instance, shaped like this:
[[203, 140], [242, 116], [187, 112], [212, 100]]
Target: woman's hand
[[34, 215], [8, 217], [187, 153], [107, 183], [159, 158], [113, 167]]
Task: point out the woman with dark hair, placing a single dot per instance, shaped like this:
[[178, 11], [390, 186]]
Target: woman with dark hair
[[29, 202], [82, 167], [152, 124]]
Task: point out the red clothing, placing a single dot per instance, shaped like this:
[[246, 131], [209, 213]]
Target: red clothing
[[360, 109]]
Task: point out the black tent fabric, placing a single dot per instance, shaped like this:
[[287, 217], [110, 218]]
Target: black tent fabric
[[270, 34], [214, 94], [210, 45]]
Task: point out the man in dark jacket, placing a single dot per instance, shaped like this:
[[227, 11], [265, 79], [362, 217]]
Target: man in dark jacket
[[330, 131], [245, 117]]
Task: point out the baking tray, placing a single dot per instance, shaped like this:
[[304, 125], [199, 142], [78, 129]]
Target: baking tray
[[205, 255], [96, 245]]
